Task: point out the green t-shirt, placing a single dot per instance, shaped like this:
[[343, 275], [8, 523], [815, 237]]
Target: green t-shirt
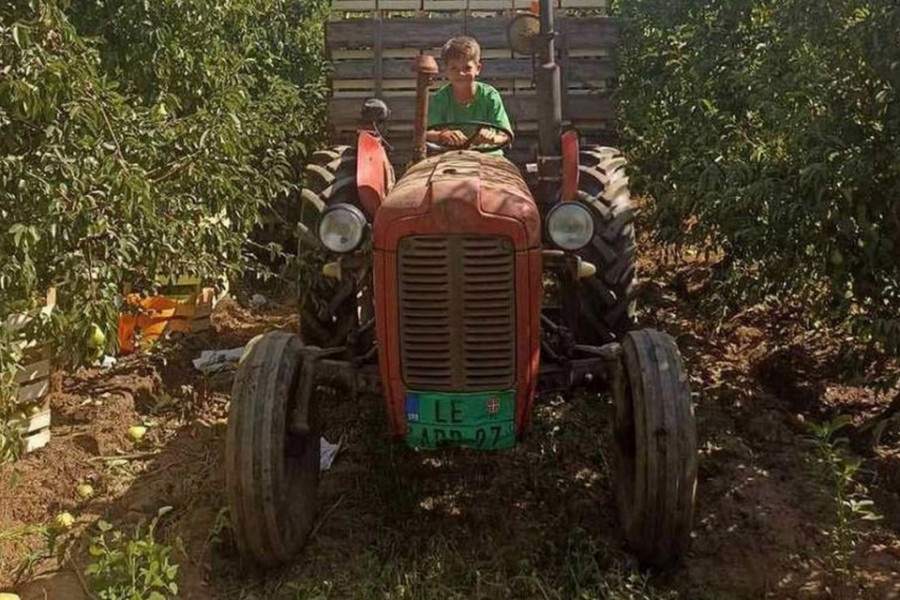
[[487, 107]]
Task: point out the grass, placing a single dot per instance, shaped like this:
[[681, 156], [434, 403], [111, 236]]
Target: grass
[[534, 522]]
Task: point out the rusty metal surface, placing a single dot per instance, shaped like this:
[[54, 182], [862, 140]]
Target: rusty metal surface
[[457, 312], [456, 193], [425, 68]]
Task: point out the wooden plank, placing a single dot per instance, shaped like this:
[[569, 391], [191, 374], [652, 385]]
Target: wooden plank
[[33, 391], [402, 33], [590, 33], [597, 4], [17, 321], [35, 352], [36, 441], [338, 54], [33, 372], [428, 34], [492, 68], [442, 5], [491, 5], [414, 5], [489, 31], [202, 310], [409, 54], [37, 421], [352, 5], [522, 107], [369, 84], [203, 324], [377, 54]]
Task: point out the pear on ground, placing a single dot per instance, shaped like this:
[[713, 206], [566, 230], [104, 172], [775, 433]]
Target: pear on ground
[[137, 432], [85, 490], [64, 520]]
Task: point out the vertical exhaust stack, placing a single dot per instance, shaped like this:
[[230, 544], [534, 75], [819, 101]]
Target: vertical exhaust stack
[[426, 68], [549, 160]]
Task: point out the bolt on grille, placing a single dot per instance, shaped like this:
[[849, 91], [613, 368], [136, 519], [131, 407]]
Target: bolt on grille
[[457, 313]]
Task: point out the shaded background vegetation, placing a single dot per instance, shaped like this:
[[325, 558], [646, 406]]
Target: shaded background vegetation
[[144, 139], [770, 129]]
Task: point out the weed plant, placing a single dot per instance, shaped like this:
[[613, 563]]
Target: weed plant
[[839, 469], [134, 567]]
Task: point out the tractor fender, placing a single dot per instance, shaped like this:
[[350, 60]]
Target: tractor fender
[[374, 173], [570, 168]]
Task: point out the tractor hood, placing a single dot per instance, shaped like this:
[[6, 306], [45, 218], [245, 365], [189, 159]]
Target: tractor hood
[[460, 192]]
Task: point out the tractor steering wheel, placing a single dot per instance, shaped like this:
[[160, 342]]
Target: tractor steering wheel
[[468, 145]]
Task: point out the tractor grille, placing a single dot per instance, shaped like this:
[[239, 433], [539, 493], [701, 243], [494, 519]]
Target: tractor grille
[[457, 313]]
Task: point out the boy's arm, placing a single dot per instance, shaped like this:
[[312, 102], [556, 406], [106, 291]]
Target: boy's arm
[[436, 112], [496, 116]]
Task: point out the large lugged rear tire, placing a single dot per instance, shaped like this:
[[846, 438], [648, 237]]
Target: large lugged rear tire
[[330, 179], [655, 451], [606, 299], [271, 474]]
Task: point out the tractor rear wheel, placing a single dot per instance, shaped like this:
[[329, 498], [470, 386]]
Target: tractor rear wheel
[[330, 179], [271, 473], [606, 299], [655, 451]]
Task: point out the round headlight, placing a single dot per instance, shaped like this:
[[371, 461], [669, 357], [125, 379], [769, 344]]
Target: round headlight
[[341, 228], [570, 225]]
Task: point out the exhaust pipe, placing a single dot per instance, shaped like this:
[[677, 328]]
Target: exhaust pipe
[[426, 68], [549, 160]]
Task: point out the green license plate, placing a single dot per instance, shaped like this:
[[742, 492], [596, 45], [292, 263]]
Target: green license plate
[[482, 420]]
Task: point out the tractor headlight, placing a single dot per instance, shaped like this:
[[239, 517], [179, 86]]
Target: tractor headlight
[[341, 228], [570, 225]]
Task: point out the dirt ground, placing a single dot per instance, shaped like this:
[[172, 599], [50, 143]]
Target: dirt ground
[[535, 522]]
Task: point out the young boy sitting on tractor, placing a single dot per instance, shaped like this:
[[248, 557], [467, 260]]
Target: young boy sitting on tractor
[[464, 99]]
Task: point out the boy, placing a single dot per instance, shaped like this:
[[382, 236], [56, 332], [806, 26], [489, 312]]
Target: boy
[[465, 99]]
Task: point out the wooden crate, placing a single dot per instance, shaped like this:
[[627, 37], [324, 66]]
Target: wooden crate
[[32, 400], [194, 309], [181, 307], [31, 406]]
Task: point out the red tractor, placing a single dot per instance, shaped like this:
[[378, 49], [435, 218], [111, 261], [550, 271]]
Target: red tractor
[[461, 294]]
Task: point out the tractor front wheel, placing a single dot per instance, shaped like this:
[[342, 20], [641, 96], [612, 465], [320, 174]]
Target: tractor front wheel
[[272, 473], [655, 453]]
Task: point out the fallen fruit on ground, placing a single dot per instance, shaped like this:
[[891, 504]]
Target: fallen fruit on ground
[[136, 432], [64, 520]]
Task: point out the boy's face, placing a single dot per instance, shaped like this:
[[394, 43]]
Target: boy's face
[[462, 72]]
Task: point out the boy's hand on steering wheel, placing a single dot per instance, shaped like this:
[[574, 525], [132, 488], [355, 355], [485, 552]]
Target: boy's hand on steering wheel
[[487, 137], [452, 138]]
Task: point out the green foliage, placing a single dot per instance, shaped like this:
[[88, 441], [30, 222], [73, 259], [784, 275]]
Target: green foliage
[[771, 129], [838, 469], [131, 568], [144, 139]]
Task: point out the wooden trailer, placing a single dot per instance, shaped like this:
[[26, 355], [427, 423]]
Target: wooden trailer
[[371, 44]]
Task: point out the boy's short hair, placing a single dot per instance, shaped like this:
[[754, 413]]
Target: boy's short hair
[[463, 47]]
